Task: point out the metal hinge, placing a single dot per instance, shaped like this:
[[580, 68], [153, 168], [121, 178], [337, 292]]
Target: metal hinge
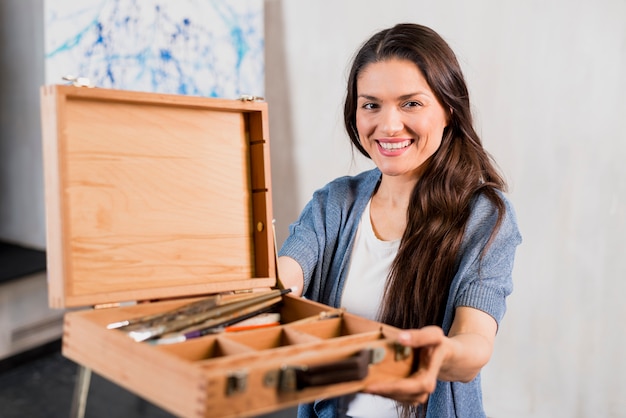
[[79, 81], [250, 98]]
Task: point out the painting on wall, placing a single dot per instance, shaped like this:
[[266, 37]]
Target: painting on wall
[[211, 48]]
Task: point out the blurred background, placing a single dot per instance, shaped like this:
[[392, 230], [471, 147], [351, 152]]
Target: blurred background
[[548, 85]]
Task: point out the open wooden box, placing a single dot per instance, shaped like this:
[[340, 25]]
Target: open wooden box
[[154, 200]]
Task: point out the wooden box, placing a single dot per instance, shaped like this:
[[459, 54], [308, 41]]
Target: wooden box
[[154, 200]]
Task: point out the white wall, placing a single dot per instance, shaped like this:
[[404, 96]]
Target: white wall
[[548, 86]]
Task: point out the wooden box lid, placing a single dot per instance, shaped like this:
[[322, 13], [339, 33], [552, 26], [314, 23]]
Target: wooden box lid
[[152, 196]]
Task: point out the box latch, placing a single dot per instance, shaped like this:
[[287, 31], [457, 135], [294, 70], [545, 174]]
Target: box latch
[[292, 378], [236, 382]]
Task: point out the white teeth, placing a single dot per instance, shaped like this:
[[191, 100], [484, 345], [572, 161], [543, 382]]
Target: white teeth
[[395, 145]]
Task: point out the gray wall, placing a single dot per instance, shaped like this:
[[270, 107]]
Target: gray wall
[[21, 74], [547, 82]]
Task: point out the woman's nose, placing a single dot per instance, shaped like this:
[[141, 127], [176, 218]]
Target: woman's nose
[[391, 122]]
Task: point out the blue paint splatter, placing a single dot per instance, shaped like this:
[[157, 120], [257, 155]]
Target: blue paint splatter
[[166, 55], [213, 49]]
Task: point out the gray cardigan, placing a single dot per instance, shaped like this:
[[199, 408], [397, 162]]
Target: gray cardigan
[[321, 239]]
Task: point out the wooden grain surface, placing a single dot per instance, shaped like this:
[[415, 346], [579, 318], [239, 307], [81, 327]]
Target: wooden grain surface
[[191, 379], [153, 194]]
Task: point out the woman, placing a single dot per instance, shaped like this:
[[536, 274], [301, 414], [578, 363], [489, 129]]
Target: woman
[[424, 242]]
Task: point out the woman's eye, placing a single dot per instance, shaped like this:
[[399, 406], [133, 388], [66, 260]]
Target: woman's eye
[[369, 106], [412, 104]]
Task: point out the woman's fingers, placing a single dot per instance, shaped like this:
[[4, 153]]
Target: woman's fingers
[[412, 390], [416, 388], [421, 337]]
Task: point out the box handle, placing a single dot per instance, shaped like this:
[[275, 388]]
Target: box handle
[[356, 367]]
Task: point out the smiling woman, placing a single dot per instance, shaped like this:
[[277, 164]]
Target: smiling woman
[[425, 241], [400, 122]]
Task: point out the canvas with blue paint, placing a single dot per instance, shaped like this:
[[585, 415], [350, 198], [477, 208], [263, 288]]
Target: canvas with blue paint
[[205, 48]]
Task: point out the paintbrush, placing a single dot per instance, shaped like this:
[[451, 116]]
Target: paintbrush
[[146, 333], [192, 308], [217, 325]]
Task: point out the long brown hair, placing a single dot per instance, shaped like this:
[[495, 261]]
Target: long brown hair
[[420, 277]]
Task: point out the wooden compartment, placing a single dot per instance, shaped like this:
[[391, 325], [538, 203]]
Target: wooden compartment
[[153, 201]]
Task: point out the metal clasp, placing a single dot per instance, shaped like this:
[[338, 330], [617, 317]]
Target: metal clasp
[[291, 378], [377, 355], [236, 382], [401, 352], [250, 98], [79, 81], [283, 379], [287, 378]]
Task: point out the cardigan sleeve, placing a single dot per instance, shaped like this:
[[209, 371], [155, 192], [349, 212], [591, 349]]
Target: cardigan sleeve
[[304, 241], [484, 278], [321, 239]]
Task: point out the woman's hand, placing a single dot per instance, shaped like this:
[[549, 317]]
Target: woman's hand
[[415, 389], [458, 357]]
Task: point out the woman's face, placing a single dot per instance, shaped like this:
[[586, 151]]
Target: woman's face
[[399, 120]]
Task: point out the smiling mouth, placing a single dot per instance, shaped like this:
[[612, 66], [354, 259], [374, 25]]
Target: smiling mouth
[[394, 146]]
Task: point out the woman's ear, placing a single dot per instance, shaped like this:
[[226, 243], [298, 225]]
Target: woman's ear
[[449, 117]]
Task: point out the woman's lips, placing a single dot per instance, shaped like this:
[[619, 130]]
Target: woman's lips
[[395, 147]]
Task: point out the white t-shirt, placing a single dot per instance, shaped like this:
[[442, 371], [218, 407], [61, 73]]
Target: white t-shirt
[[363, 291]]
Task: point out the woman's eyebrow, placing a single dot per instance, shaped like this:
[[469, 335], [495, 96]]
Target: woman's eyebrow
[[403, 97], [367, 97]]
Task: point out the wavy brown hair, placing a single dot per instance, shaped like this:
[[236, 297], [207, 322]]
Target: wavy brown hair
[[420, 277]]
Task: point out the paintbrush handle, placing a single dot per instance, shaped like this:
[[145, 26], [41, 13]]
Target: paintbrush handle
[[151, 320], [216, 312]]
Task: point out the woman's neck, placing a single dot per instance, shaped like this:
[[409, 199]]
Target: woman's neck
[[388, 209]]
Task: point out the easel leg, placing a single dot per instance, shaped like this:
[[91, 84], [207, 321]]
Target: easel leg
[[81, 389]]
